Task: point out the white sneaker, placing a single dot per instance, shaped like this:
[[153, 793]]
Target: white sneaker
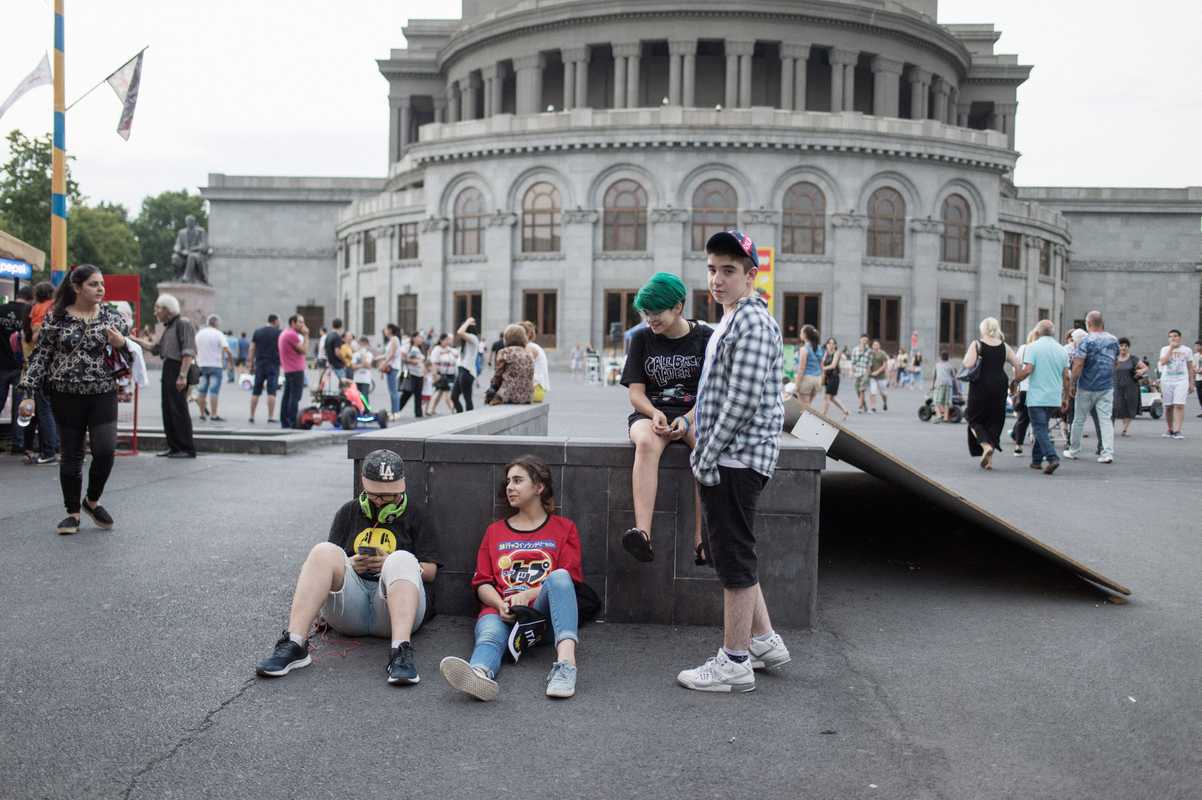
[[769, 654], [467, 679], [1105, 459], [1071, 455], [719, 674]]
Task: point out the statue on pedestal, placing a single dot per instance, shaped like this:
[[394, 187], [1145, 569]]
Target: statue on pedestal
[[191, 252]]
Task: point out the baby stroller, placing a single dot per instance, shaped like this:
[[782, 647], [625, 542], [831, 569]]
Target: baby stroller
[[927, 409], [338, 401]]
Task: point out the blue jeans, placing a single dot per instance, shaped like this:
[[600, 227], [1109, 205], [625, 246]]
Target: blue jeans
[[1043, 449], [294, 387], [557, 600], [47, 430], [210, 381], [394, 392]]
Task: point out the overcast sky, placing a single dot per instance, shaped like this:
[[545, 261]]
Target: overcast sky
[[292, 88]]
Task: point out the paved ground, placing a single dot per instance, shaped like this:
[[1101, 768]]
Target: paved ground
[[942, 666]]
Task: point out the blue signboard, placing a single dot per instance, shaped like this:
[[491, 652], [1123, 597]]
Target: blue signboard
[[11, 268]]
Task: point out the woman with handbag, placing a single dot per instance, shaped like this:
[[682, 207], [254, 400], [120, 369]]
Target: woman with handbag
[[80, 352], [415, 373], [177, 348], [984, 368]]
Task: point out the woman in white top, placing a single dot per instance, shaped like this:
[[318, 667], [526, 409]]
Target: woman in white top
[[362, 359], [390, 365], [542, 371], [444, 362]]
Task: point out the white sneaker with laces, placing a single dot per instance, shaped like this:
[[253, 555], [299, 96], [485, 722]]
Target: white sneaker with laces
[[769, 654], [1071, 455], [1105, 459], [719, 674]]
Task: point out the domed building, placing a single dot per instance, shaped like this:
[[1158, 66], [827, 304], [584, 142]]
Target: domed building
[[544, 158]]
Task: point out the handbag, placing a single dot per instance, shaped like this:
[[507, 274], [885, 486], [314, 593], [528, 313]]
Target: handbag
[[971, 373], [117, 362]]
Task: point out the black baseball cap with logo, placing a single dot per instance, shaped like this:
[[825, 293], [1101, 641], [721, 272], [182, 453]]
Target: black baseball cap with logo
[[725, 240], [383, 466]]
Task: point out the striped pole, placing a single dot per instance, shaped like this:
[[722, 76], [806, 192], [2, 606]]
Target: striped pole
[[58, 197]]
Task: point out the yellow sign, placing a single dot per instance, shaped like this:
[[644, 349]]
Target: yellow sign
[[765, 283]]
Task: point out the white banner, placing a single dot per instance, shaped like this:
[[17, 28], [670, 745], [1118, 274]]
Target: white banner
[[39, 77]]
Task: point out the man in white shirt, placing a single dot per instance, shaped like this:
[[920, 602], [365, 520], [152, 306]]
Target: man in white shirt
[[1197, 359], [211, 350], [1176, 382]]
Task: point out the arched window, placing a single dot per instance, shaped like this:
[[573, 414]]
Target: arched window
[[468, 222], [715, 209], [804, 220], [957, 222], [540, 219], [625, 221], [886, 224]]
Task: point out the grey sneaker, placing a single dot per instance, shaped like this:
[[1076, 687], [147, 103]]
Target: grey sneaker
[[462, 676], [561, 680], [719, 674], [770, 654]]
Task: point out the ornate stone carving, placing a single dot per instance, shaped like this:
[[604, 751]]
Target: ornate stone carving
[[431, 224], [794, 50], [577, 216], [539, 256], [1134, 266], [682, 47], [844, 56], [576, 54], [534, 61], [894, 263], [947, 266], [849, 221], [759, 216], [882, 64], [288, 253], [932, 226], [1033, 242], [664, 215], [989, 232], [627, 49], [733, 48], [502, 219]]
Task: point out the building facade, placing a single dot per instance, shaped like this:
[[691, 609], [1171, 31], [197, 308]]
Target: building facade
[[545, 158]]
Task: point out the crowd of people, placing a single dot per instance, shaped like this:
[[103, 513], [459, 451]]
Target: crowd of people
[[713, 389]]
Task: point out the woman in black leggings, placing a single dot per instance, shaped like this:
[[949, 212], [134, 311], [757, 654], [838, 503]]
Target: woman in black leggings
[[69, 361]]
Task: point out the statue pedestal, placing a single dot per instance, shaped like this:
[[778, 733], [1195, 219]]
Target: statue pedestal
[[196, 300]]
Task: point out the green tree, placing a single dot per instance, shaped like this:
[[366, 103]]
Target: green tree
[[102, 235], [161, 216], [25, 182]]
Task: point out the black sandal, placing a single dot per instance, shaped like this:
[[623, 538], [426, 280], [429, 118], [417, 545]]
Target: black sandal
[[638, 544], [702, 555]]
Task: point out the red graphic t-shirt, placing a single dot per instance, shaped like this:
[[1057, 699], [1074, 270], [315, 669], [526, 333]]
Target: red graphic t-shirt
[[514, 561]]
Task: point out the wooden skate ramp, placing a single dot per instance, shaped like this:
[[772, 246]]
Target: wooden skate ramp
[[843, 445]]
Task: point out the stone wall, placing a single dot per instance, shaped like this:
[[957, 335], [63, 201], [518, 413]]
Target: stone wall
[[456, 477]]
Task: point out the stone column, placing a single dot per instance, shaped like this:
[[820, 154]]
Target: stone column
[[629, 52], [739, 53], [842, 66], [787, 72], [578, 56], [529, 83], [666, 239], [688, 69], [1006, 113], [576, 302], [440, 108], [1030, 267], [799, 56], [941, 94], [498, 90], [674, 59], [394, 130], [953, 101], [962, 110], [924, 282], [848, 301], [489, 75], [431, 298], [499, 306], [453, 102], [849, 82], [569, 85], [406, 124], [470, 106], [989, 262], [886, 86], [619, 79], [920, 80], [731, 100]]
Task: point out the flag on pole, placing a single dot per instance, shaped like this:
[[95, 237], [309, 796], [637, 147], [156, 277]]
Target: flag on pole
[[39, 77], [125, 82]]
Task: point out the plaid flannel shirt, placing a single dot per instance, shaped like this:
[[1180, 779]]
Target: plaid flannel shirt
[[740, 413], [861, 360]]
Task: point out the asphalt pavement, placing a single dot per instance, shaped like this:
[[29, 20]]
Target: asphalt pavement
[[943, 665]]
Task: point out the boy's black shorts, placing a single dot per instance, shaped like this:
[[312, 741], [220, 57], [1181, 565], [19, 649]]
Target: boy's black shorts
[[729, 510]]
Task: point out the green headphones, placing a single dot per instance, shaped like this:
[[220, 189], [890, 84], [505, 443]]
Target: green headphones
[[388, 513]]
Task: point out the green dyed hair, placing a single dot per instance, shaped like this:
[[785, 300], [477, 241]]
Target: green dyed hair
[[662, 292]]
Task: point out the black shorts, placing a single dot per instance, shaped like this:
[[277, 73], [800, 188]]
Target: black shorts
[[832, 385], [267, 376], [729, 510], [442, 384], [671, 413]]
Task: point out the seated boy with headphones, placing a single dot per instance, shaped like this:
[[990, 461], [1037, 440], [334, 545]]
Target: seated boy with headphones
[[369, 578]]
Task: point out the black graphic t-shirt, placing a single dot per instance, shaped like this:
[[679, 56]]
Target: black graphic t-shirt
[[669, 368], [351, 529]]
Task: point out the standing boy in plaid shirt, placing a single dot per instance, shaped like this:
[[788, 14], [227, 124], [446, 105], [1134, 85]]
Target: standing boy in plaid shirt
[[861, 360], [738, 419]]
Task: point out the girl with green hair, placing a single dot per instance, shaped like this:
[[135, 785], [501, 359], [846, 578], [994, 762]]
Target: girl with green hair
[[662, 372]]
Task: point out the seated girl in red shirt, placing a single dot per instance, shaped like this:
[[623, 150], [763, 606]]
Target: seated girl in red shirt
[[530, 559]]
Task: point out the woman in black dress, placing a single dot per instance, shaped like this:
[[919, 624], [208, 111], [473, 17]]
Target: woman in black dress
[[1127, 372], [986, 409]]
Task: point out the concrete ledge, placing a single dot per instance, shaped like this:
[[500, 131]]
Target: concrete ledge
[[273, 443], [454, 466]]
